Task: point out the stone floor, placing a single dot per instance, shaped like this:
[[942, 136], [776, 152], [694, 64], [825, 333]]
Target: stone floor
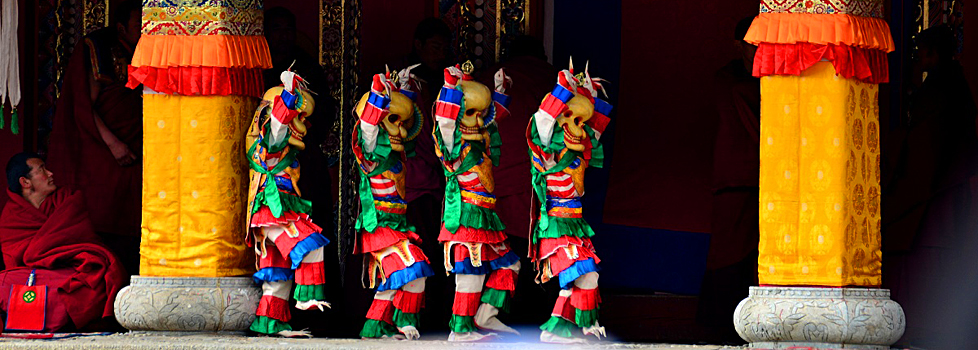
[[139, 340]]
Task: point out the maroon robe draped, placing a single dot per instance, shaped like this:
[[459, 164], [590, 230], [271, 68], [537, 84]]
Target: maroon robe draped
[[77, 154], [57, 239]]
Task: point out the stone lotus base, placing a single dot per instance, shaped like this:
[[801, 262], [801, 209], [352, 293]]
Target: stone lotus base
[[829, 318], [188, 304]]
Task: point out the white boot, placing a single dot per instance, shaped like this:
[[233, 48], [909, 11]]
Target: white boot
[[295, 334], [410, 332], [470, 336], [547, 337], [595, 330], [312, 304], [485, 318]]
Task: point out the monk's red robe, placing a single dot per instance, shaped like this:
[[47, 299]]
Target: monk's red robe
[[58, 241], [77, 154]]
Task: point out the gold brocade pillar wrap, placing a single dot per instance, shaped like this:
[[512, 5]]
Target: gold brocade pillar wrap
[[819, 180], [194, 186], [199, 63]]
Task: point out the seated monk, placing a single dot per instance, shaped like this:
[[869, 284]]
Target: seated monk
[[47, 229]]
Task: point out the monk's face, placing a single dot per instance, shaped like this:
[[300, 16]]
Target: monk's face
[[130, 31], [40, 180]]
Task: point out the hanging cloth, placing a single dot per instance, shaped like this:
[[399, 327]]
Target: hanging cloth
[[9, 64]]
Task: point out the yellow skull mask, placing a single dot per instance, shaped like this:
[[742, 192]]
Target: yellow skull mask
[[579, 110], [398, 122], [297, 128], [477, 99]]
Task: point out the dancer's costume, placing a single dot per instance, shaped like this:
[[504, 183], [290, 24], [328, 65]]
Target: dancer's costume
[[560, 243], [467, 143], [289, 246], [383, 138]]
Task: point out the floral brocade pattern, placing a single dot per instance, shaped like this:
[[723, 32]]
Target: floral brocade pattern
[[866, 8], [202, 20], [819, 181]]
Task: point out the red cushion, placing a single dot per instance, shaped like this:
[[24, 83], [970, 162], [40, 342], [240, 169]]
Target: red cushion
[[56, 314]]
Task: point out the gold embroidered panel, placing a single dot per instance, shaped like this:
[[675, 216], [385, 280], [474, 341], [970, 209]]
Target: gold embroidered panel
[[168, 18], [866, 8], [96, 15]]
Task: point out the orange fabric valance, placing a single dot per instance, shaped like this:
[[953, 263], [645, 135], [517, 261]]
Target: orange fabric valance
[[228, 51], [823, 29]]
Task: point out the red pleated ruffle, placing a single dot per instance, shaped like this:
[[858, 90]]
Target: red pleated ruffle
[[867, 65], [466, 304], [310, 274], [408, 302], [381, 310], [585, 299], [381, 238], [272, 307], [473, 235], [393, 262], [199, 81], [502, 279]]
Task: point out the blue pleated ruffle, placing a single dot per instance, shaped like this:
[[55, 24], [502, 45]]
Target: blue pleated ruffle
[[313, 242], [401, 277], [578, 269], [273, 274], [465, 266]]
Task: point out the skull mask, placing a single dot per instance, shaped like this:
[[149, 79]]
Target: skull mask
[[579, 110], [398, 123], [477, 101], [297, 128]]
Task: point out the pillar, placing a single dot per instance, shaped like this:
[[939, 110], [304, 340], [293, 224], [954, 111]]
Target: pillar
[[819, 251], [199, 64]]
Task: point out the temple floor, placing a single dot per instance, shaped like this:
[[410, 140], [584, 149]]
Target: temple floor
[[146, 340]]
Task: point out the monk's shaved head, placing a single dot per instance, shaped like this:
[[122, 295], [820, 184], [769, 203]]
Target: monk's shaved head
[[17, 168]]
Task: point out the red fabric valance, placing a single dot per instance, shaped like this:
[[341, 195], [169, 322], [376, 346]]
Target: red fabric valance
[[203, 81], [867, 65]]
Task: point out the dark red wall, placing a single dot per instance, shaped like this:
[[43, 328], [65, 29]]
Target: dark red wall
[[387, 29], [664, 139]]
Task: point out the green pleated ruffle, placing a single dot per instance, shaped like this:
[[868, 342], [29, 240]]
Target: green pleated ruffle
[[402, 319], [377, 329], [268, 325], [396, 222], [559, 327], [309, 292], [559, 227], [585, 318], [288, 201], [474, 216], [495, 297], [462, 324]]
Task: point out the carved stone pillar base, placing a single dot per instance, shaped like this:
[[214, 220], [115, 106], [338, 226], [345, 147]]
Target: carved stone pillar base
[[188, 304], [834, 318]]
